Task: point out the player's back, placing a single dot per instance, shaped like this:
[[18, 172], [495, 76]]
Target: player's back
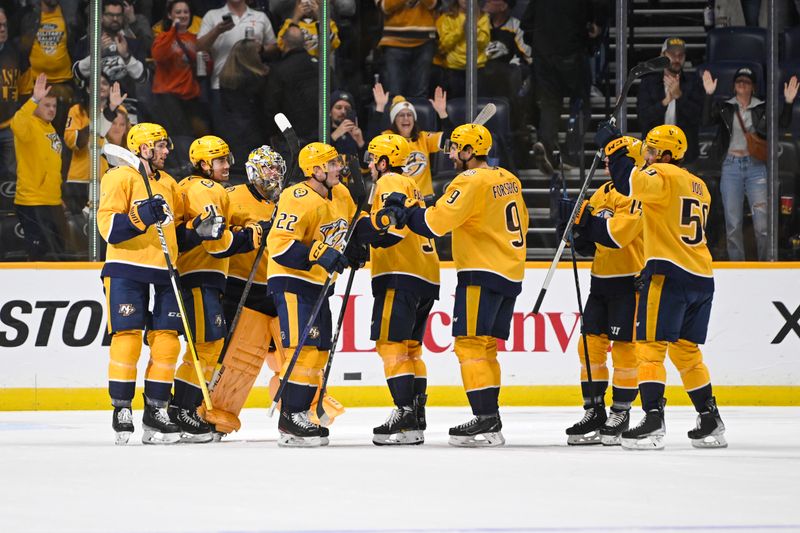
[[623, 216]]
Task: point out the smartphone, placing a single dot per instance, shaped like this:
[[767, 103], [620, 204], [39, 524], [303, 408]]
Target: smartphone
[[227, 18], [351, 115]]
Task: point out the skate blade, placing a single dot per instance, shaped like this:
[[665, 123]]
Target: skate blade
[[291, 441], [610, 440], [152, 436], [324, 441], [122, 437], [200, 438], [217, 436], [650, 442], [711, 441], [593, 437], [482, 440], [402, 438]]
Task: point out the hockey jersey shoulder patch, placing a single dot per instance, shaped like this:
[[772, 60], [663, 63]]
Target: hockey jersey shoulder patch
[[299, 193]]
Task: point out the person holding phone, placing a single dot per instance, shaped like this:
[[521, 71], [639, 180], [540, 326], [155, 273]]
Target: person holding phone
[[346, 136]]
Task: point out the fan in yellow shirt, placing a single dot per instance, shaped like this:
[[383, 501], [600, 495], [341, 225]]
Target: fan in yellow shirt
[[675, 303]]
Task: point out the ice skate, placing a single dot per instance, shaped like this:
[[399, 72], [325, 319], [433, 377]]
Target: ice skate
[[193, 428], [158, 429], [122, 422], [617, 422], [297, 431], [419, 406], [587, 431], [710, 431], [649, 434], [401, 427], [481, 431]]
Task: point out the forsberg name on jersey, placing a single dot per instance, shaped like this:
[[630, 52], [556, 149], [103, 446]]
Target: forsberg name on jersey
[[504, 189]]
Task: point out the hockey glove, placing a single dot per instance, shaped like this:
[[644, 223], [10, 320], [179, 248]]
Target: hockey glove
[[396, 216], [147, 212], [256, 232], [398, 199], [357, 254], [208, 228], [328, 258], [565, 207], [606, 133]]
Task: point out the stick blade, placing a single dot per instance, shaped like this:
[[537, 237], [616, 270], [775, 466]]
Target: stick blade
[[485, 114], [118, 156], [282, 122]]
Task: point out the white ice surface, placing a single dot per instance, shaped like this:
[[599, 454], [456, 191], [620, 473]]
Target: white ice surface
[[59, 471]]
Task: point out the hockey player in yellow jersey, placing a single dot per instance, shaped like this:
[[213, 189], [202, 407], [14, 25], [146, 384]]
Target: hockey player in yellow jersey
[[305, 246], [405, 284], [203, 265], [610, 226], [134, 264], [484, 209], [675, 301]]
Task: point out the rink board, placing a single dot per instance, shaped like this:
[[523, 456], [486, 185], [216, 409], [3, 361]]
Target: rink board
[[54, 353]]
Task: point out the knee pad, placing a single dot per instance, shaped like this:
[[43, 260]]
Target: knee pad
[[126, 346], [623, 354], [415, 353], [396, 360], [479, 367], [688, 359], [598, 355], [650, 355]]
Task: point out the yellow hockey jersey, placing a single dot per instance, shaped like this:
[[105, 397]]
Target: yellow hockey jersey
[[309, 28], [418, 164], [132, 254], [207, 263], [407, 27], [412, 263], [676, 205], [38, 150], [304, 217], [484, 209], [617, 231], [246, 208]]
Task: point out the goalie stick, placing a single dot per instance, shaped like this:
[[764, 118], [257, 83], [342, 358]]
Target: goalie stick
[[119, 156], [652, 65]]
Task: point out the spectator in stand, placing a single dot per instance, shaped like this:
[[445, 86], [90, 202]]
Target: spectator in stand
[[122, 59], [38, 198], [451, 28], [509, 58], [48, 39], [220, 30], [243, 89], [137, 26], [171, 12], [284, 9], [292, 89], [741, 172], [76, 137], [408, 44], [560, 32], [306, 17], [346, 136], [176, 90], [12, 65], [402, 120], [672, 97]]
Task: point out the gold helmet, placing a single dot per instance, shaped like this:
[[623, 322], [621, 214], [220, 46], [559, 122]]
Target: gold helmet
[[394, 147], [208, 148], [316, 154], [635, 150], [474, 135], [146, 133], [265, 170], [667, 138]]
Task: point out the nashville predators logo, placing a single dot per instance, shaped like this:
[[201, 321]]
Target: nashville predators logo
[[218, 321], [299, 193], [55, 142], [415, 164], [604, 213], [313, 333], [333, 233], [126, 310]]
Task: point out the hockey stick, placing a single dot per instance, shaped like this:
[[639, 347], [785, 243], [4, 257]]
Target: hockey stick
[[586, 360], [315, 311], [485, 114], [119, 156], [291, 139], [653, 65]]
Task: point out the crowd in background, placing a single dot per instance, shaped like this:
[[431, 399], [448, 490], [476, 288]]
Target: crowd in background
[[226, 67]]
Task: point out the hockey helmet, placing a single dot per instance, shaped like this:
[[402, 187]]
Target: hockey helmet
[[265, 170], [208, 148], [667, 138], [316, 154], [474, 135], [394, 147], [146, 133]]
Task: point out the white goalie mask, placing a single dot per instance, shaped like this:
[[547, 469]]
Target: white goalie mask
[[265, 170]]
